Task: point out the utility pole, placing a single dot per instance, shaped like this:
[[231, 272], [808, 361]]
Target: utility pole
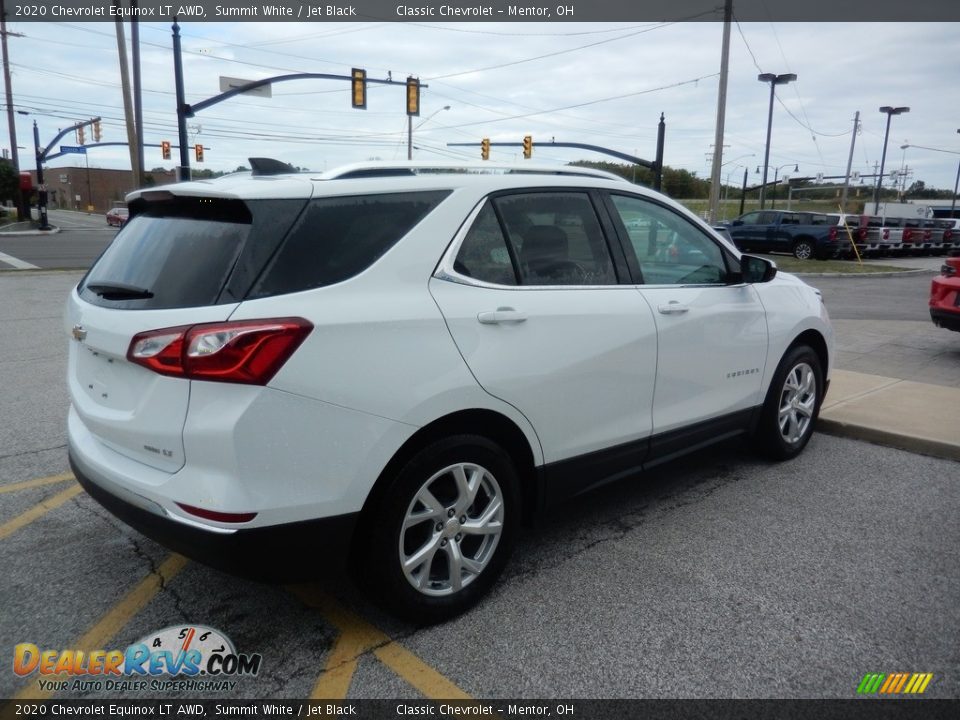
[[11, 120], [132, 140], [846, 182], [721, 112]]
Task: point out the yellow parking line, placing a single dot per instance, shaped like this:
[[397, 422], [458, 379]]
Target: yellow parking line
[[357, 637], [38, 510], [97, 637], [36, 482]]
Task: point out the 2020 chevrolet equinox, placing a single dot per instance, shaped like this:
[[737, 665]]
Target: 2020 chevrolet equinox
[[395, 366]]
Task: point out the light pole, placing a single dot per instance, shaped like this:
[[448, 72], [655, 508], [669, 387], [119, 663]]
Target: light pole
[[890, 112], [411, 128], [773, 198], [726, 185], [774, 80]]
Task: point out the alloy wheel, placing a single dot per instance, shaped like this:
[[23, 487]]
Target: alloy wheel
[[451, 529], [797, 403]]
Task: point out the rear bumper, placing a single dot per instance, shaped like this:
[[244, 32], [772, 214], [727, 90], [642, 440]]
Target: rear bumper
[[292, 551], [946, 318]]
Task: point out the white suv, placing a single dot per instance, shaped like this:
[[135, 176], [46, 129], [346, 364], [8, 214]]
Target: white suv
[[394, 367]]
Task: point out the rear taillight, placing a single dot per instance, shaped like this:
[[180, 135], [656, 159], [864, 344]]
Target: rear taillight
[[947, 235], [245, 351], [908, 235], [862, 233], [833, 234]]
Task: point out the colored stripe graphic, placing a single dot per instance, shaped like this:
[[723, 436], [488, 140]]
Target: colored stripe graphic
[[894, 683]]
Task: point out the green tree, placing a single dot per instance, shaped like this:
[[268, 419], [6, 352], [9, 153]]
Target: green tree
[[9, 182]]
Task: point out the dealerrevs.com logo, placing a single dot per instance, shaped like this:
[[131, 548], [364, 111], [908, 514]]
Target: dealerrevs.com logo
[[204, 657], [894, 683]]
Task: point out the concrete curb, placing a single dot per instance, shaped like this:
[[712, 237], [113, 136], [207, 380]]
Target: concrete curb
[[898, 273], [22, 233], [901, 441]]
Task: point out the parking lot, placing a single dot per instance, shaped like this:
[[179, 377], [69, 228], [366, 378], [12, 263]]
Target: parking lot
[[803, 576]]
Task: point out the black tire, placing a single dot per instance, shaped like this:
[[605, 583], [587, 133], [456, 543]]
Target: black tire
[[803, 249], [769, 438], [389, 541]]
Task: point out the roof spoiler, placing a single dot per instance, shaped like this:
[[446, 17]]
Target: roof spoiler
[[269, 166]]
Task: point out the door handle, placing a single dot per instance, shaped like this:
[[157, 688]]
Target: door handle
[[673, 308], [501, 315]]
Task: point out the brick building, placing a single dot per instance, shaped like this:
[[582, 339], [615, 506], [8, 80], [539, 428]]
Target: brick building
[[75, 188]]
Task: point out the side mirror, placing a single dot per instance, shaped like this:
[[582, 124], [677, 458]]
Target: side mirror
[[755, 269]]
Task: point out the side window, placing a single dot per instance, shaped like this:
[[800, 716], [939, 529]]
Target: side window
[[556, 239], [483, 254], [670, 250], [767, 218], [339, 237], [750, 218]]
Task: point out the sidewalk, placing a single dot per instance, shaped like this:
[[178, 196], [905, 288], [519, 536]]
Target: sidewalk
[[900, 413]]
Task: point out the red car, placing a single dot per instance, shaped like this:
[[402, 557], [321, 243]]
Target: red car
[[117, 216], [945, 296]]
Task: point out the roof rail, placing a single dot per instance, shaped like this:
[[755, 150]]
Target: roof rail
[[393, 169]]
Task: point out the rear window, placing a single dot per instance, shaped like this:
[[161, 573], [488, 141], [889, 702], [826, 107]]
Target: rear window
[[175, 254], [337, 238]]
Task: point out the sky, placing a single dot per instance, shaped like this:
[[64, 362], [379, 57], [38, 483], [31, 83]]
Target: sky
[[599, 83]]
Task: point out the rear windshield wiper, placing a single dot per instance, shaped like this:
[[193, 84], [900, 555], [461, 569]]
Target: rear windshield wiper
[[119, 291]]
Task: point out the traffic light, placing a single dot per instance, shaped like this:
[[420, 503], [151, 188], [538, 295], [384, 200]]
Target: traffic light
[[485, 148], [80, 137], [96, 131], [358, 93], [165, 149], [198, 152], [413, 96], [527, 146]]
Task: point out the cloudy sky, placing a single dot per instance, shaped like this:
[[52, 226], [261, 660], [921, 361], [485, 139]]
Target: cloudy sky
[[598, 83]]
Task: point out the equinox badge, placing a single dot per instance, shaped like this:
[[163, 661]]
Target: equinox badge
[[79, 334]]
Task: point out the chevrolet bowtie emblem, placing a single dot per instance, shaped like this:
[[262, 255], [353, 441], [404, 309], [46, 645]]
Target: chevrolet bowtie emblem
[[79, 334]]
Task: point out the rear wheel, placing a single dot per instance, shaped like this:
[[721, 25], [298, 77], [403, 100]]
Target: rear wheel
[[444, 529], [790, 410], [803, 249]]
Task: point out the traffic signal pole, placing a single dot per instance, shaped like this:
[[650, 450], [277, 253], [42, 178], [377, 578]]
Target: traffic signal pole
[[41, 156], [183, 170], [42, 189]]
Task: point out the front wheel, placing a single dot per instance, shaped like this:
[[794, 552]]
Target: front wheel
[[444, 529], [803, 249], [790, 410]]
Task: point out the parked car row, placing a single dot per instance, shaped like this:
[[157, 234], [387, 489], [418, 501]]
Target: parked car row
[[877, 236], [828, 235]]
